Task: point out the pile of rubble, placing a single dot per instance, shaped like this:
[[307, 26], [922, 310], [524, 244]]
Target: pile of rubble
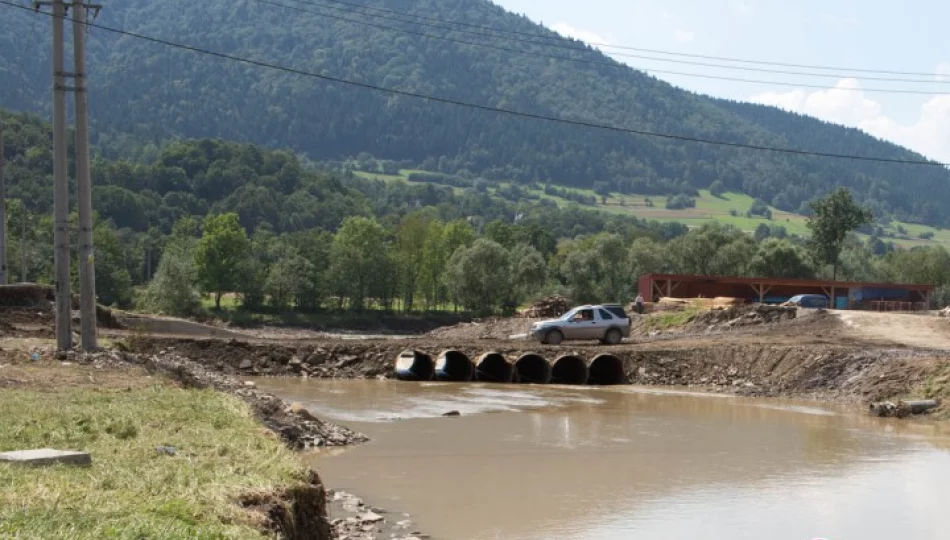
[[739, 316], [368, 523], [945, 312], [546, 308]]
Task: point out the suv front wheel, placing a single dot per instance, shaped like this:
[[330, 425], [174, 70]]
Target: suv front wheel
[[554, 337]]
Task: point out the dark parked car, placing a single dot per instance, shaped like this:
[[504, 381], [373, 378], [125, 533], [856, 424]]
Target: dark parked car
[[812, 301]]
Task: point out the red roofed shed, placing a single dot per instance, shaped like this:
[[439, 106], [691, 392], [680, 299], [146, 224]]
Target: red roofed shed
[[847, 294]]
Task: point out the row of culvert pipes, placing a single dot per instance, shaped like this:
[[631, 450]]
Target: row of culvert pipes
[[456, 366]]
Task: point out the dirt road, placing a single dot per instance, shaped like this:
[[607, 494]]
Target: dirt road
[[920, 331]]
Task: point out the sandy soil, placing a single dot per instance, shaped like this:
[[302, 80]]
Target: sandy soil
[[911, 330]]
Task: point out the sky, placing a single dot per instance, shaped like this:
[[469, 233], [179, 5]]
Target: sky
[[910, 37]]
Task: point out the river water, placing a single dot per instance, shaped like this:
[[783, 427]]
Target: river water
[[578, 463]]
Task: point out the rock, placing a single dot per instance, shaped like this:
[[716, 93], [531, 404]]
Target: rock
[[316, 358], [371, 517], [166, 450], [47, 456], [246, 364], [250, 384], [452, 413], [295, 362]]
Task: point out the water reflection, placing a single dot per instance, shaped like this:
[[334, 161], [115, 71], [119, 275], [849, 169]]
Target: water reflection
[[624, 463]]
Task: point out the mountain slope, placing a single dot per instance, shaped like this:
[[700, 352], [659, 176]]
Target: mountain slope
[[150, 92]]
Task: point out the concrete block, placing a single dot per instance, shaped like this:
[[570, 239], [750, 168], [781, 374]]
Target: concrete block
[[47, 456]]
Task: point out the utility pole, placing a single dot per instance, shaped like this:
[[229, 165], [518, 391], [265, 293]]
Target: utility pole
[[3, 215], [64, 337], [87, 269], [87, 275]]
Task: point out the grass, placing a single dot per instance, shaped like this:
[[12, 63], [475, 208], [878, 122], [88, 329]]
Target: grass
[[708, 208], [671, 319], [132, 491]]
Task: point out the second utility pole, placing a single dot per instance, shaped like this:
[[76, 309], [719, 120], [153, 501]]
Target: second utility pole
[[64, 336], [87, 269]]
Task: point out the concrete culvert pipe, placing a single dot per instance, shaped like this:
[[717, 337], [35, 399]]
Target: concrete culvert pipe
[[569, 369], [494, 367], [606, 369], [454, 366], [414, 366], [533, 368]]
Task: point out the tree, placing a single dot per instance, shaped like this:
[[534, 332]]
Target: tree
[[314, 246], [696, 252], [647, 257], [717, 189], [287, 278], [834, 217], [595, 270], [409, 254], [479, 277], [501, 232], [528, 271], [221, 255], [762, 232], [113, 281], [172, 291], [359, 257], [780, 259]]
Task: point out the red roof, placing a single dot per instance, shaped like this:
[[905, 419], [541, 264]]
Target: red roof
[[789, 282]]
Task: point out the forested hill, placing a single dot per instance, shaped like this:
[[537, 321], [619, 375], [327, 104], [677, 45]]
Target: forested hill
[[144, 91]]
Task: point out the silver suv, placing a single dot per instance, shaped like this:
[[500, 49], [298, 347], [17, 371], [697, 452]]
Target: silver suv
[[607, 323]]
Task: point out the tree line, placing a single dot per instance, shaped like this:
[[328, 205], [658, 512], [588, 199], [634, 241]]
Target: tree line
[[278, 232]]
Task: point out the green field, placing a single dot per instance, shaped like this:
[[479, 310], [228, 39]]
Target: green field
[[133, 490], [708, 208]]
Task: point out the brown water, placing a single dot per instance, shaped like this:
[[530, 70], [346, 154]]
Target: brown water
[[544, 462]]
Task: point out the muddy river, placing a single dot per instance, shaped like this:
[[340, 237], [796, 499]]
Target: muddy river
[[545, 462]]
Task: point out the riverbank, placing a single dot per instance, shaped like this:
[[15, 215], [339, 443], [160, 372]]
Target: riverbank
[[177, 452], [168, 460], [818, 358], [813, 366]]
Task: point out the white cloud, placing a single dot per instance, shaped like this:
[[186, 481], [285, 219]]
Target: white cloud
[[840, 21], [741, 8], [587, 36], [942, 72], [684, 36], [846, 104]]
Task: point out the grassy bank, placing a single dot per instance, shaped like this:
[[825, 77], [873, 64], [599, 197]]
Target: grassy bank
[[131, 490]]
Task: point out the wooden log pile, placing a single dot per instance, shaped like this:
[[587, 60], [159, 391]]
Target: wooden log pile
[[552, 306]]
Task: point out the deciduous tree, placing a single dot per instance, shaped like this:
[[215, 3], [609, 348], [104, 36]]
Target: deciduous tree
[[221, 255]]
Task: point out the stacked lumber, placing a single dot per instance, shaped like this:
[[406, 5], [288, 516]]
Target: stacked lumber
[[678, 304], [552, 306]]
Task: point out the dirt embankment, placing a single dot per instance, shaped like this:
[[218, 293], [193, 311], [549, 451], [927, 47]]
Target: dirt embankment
[[802, 364]]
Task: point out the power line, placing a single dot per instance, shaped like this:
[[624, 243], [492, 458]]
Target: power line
[[557, 37], [560, 42], [475, 106], [612, 64]]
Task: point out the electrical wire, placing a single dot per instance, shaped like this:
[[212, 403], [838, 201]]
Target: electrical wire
[[612, 64], [627, 47], [488, 108]]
